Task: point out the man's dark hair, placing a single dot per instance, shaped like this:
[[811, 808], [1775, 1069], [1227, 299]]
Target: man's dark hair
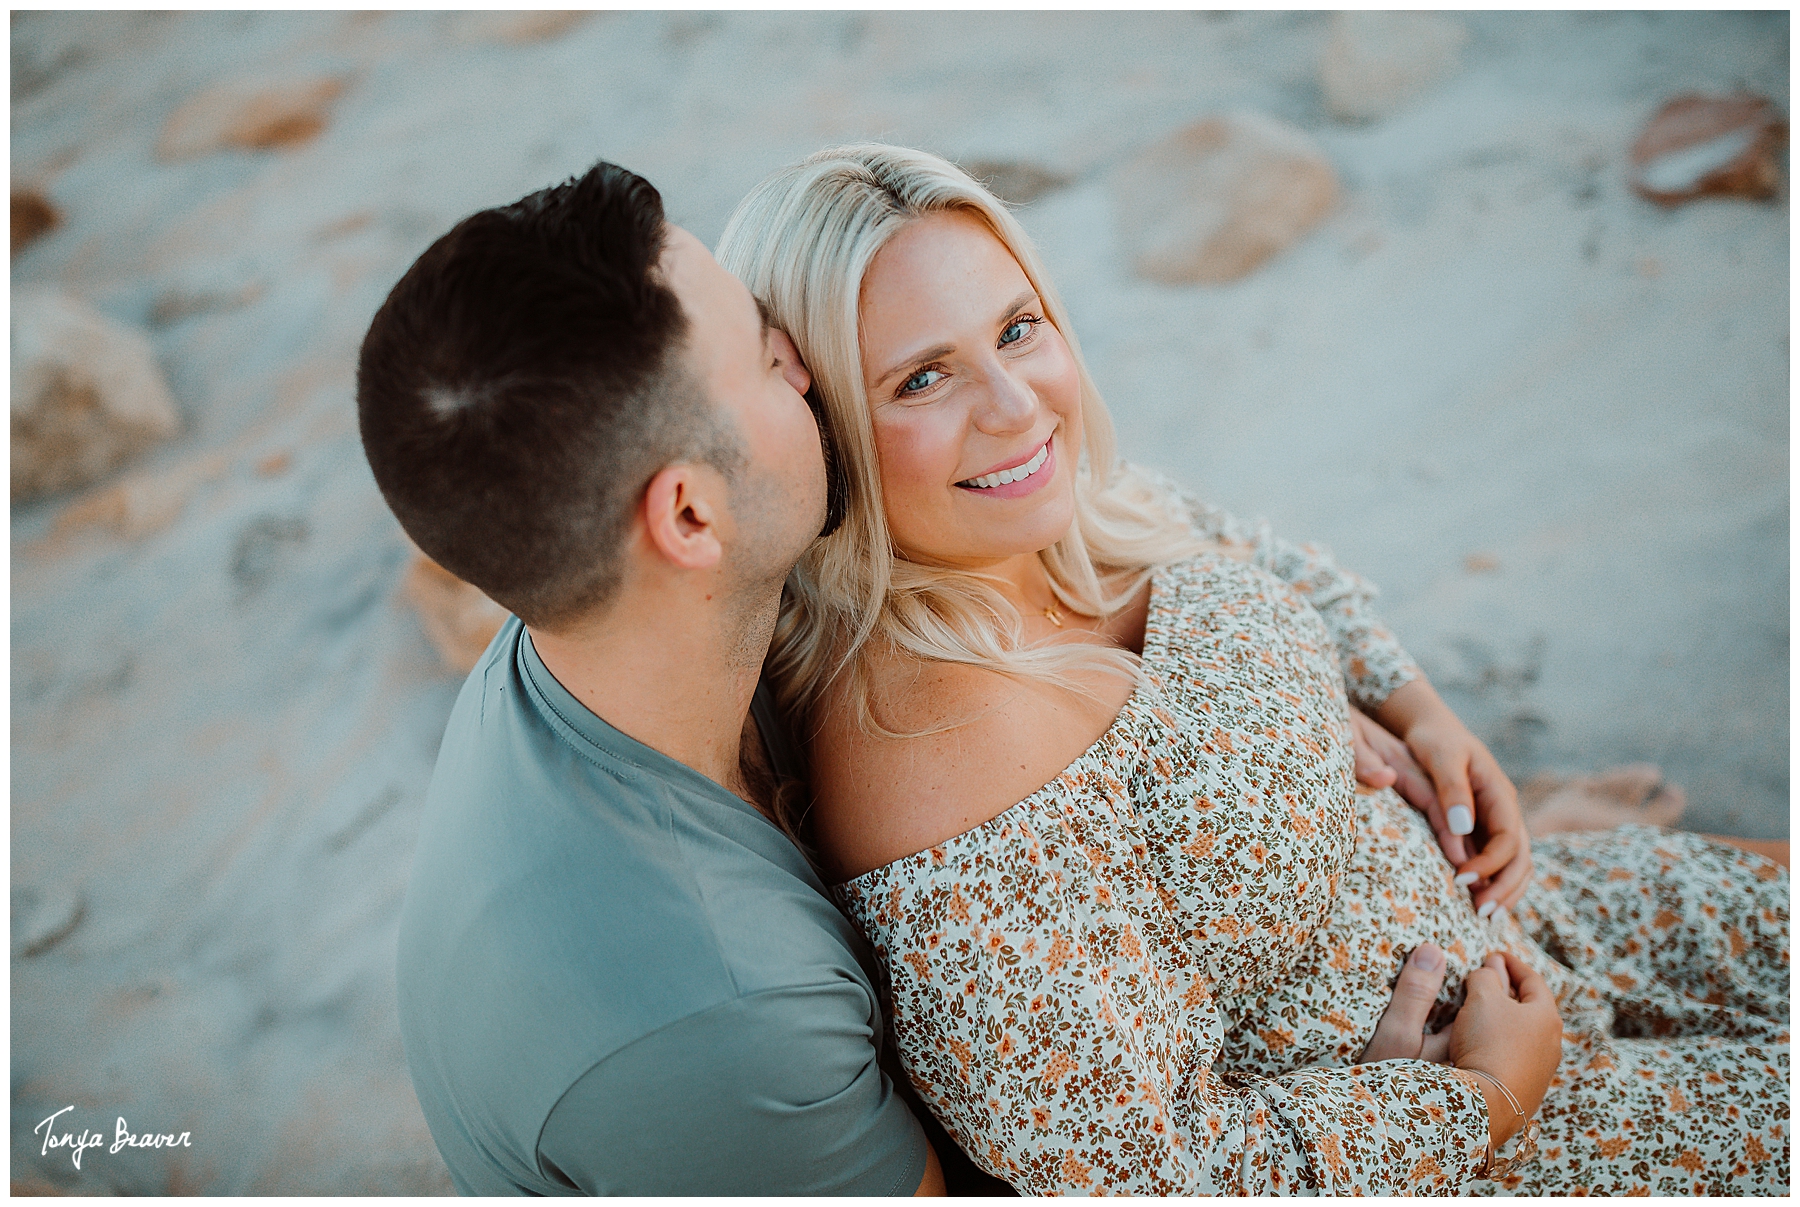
[[523, 383]]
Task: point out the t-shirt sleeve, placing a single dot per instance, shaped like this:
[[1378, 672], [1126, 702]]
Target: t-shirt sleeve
[[771, 1093]]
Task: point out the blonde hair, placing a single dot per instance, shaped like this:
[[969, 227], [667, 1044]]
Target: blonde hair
[[802, 242]]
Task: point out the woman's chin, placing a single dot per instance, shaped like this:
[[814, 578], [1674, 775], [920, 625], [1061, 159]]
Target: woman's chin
[[987, 544]]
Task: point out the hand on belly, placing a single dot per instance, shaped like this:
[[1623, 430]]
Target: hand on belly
[[1398, 893]]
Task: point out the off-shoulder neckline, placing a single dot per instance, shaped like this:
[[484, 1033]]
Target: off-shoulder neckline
[[1156, 640]]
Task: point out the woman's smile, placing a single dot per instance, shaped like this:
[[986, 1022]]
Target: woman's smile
[[1016, 478]]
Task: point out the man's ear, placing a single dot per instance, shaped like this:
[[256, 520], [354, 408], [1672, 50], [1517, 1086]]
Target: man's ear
[[681, 516]]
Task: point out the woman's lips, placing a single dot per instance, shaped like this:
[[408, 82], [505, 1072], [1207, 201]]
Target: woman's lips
[[1035, 471]]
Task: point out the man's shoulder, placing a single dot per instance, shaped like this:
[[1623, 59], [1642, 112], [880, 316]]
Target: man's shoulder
[[569, 899]]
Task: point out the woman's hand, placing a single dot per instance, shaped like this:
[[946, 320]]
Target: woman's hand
[[1400, 1035], [1383, 761], [1474, 797], [1508, 1028]]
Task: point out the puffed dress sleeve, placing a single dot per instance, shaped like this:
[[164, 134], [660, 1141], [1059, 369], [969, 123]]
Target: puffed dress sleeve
[[1373, 661]]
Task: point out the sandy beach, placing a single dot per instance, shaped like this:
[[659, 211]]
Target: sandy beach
[[1548, 417]]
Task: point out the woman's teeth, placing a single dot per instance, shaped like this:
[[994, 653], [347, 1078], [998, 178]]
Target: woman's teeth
[[1016, 474]]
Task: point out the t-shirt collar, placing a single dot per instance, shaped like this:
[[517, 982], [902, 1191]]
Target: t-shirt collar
[[579, 725]]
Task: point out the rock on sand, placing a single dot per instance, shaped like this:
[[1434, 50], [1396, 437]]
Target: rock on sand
[[87, 394], [251, 117], [1376, 62], [32, 217], [1698, 146], [458, 618], [1215, 199]]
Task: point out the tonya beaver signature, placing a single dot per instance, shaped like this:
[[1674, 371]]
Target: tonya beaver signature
[[80, 1142]]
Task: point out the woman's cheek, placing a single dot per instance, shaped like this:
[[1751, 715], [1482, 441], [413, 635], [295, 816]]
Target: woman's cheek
[[916, 462], [1065, 384]]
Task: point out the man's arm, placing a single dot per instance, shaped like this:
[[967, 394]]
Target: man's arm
[[933, 1181]]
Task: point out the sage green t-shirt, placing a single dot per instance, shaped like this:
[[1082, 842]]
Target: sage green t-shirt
[[615, 977]]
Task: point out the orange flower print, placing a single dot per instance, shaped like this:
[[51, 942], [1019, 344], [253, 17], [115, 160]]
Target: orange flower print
[[958, 907], [1278, 1039], [1427, 1167], [1201, 846], [1056, 1068]]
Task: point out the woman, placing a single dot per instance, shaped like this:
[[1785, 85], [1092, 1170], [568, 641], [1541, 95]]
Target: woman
[[1082, 764]]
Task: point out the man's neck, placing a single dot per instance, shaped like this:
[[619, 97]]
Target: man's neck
[[674, 673]]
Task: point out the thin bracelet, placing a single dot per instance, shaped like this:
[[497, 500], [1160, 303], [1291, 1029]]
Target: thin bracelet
[[1527, 1147], [1514, 1102]]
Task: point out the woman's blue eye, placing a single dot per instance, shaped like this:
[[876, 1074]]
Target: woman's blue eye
[[924, 379], [1017, 330]]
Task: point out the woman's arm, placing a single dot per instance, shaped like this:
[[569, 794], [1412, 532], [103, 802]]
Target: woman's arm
[[1381, 678]]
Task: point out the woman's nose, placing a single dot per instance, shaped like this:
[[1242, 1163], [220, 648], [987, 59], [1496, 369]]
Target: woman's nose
[[1009, 405]]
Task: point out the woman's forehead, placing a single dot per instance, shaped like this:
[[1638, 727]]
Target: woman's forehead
[[943, 267]]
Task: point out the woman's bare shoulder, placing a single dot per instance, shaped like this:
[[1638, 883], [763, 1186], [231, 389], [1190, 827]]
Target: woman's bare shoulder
[[878, 799]]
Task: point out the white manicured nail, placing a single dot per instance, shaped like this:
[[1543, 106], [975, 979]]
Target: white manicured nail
[[1465, 879], [1487, 909], [1461, 820]]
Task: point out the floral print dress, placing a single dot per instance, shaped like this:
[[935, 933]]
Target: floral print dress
[[1154, 974]]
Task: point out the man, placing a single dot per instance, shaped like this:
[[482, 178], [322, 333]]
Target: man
[[617, 974]]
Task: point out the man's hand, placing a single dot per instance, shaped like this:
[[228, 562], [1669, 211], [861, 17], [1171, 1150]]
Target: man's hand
[[1400, 1035], [1474, 796]]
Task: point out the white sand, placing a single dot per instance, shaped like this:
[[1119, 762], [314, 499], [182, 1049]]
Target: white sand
[[222, 732]]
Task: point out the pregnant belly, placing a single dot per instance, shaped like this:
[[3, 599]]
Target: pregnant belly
[[1398, 892]]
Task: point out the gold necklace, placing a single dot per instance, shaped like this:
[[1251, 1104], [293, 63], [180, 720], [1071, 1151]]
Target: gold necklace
[[1054, 615]]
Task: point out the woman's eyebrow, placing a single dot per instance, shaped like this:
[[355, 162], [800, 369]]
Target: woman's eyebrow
[[1013, 307], [1017, 304]]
